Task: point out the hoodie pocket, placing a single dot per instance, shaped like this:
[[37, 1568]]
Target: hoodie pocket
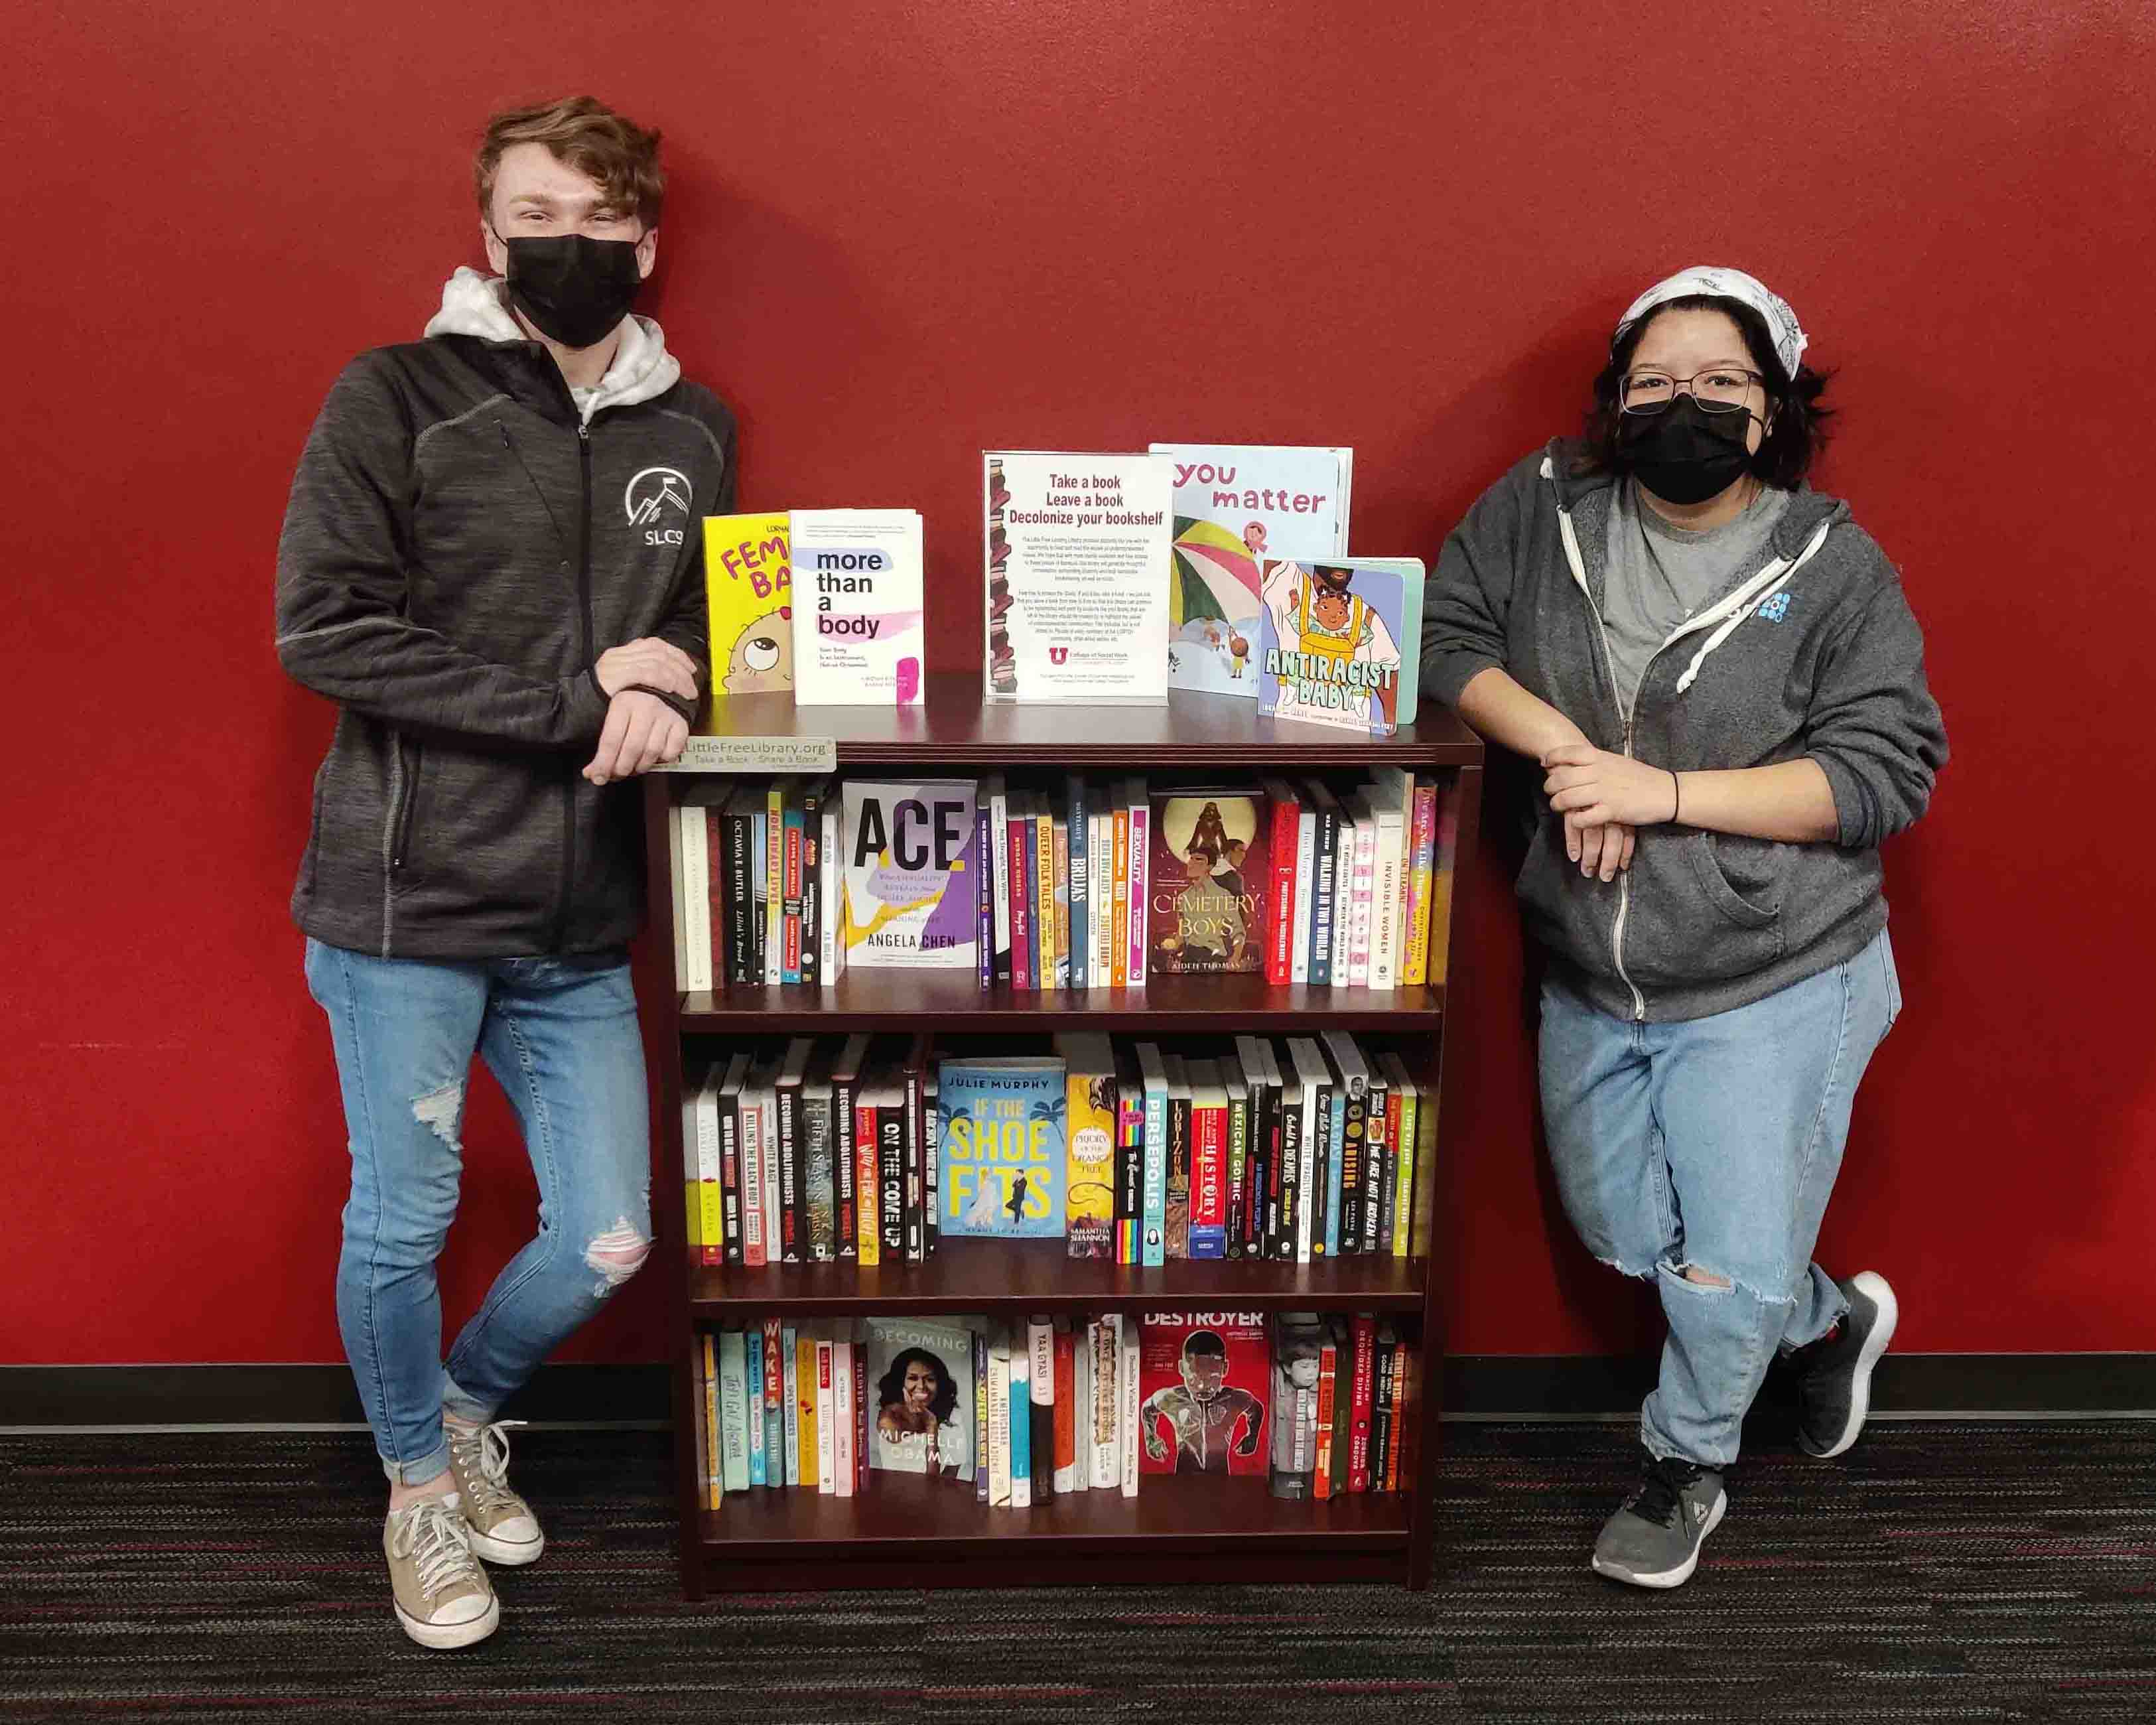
[[1743, 907]]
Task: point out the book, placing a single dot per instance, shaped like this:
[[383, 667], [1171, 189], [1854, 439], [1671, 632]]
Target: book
[[705, 1161], [748, 592], [1335, 1391], [1130, 1157], [809, 1445], [1331, 639], [1362, 1391], [792, 1171], [774, 880], [1152, 1213], [1384, 1380], [815, 808], [1001, 1147], [1140, 878], [908, 898], [1235, 504], [845, 1079], [1129, 1402], [1208, 1160], [1352, 1090], [759, 1457], [845, 1413], [1298, 1346], [818, 1158], [1175, 1203], [1041, 1378], [1361, 898], [1444, 865], [921, 1386], [1098, 1433], [775, 1402], [1204, 1376], [1210, 878], [1078, 559], [996, 1426], [826, 1421], [1325, 882], [859, 626], [1080, 813], [1021, 1418], [790, 1416], [794, 887], [1421, 857], [1089, 1065], [733, 1409]]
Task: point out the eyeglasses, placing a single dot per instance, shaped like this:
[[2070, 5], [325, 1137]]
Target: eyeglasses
[[1722, 390]]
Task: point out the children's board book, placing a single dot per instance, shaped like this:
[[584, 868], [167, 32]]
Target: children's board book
[[1001, 1147], [921, 1396], [858, 614], [1235, 506], [1204, 1376], [910, 869], [1208, 882], [1339, 640], [1077, 552], [748, 586]]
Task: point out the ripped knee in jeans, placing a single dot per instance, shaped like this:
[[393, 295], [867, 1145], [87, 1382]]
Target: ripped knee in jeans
[[616, 1255], [1713, 1281]]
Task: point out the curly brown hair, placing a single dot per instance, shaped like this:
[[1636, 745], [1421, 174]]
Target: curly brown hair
[[583, 133]]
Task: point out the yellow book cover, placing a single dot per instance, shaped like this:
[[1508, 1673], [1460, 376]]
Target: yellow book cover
[[707, 1394], [748, 586], [1089, 1203], [804, 1373], [1044, 882]]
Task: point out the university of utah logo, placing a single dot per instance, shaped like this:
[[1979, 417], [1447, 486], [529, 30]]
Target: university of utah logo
[[1058, 655], [647, 497]]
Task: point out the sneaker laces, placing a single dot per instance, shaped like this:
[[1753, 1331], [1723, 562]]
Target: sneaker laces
[[432, 1534], [482, 1456], [1661, 1490]]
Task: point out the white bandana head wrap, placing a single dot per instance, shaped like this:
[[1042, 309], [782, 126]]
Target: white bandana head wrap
[[1789, 341]]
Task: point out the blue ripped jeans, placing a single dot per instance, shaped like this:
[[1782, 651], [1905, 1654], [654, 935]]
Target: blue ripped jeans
[[1712, 1143], [560, 1035]]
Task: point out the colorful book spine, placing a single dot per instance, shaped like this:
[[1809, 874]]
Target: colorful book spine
[[1141, 852], [1362, 1333], [774, 1401], [1305, 890], [815, 795], [774, 882], [759, 1461], [868, 1219], [1280, 908], [845, 1418], [1152, 1235], [789, 1344], [1018, 878], [997, 795], [1324, 895], [1422, 855], [1020, 1421], [826, 1421], [1040, 1382], [1042, 909], [1064, 1408], [808, 1445], [984, 891], [1328, 1362], [1081, 884], [1362, 904], [733, 1409]]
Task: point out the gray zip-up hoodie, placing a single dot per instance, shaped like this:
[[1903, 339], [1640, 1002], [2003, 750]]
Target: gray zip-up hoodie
[[465, 538], [1814, 654]]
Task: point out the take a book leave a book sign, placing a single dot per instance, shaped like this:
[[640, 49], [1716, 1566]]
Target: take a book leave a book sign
[[910, 874], [858, 614], [1077, 549], [1235, 506], [1332, 639]]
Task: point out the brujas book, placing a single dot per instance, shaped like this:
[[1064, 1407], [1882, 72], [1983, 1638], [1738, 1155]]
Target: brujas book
[[1331, 640], [857, 618], [909, 872], [1210, 878], [1077, 551], [748, 586], [1001, 1149], [1235, 506]]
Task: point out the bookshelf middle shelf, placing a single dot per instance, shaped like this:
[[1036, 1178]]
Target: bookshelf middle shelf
[[953, 1000], [1013, 1278]]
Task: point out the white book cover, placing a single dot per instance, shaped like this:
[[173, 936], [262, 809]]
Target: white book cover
[[680, 910], [1128, 1402], [1388, 896], [1363, 880], [733, 1409], [790, 1415], [843, 1390], [827, 1422], [1080, 1472], [696, 898], [753, 1214], [1235, 504], [1078, 556], [999, 1431], [1306, 885], [1102, 1451], [910, 900], [859, 630], [1021, 1407], [999, 795], [830, 950], [709, 1161], [1312, 1074]]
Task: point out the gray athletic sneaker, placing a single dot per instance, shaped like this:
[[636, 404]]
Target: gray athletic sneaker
[[1654, 1538], [1834, 1373], [442, 1595]]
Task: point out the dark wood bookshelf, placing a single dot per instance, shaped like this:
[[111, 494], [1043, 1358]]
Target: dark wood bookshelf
[[904, 1532]]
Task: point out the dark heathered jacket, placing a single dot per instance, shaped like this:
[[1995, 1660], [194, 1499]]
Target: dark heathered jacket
[[457, 552], [1814, 655]]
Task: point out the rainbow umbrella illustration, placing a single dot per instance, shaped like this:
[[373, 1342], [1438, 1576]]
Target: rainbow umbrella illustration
[[1215, 575]]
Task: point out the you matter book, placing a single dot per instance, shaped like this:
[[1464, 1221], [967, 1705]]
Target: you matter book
[[1337, 640], [1077, 549], [858, 617], [1237, 505]]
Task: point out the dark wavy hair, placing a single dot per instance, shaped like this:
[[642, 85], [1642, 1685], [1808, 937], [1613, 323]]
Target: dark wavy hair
[[890, 1388], [1796, 428]]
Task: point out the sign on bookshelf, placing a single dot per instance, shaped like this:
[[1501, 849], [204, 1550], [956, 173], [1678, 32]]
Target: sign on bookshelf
[[757, 754]]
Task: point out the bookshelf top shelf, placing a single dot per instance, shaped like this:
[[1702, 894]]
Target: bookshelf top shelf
[[1192, 731]]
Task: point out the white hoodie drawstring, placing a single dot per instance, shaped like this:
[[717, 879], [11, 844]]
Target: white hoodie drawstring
[[1769, 580]]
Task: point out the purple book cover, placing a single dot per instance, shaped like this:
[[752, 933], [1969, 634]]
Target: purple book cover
[[911, 859]]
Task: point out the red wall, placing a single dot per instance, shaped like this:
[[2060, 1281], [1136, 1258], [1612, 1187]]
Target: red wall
[[899, 234]]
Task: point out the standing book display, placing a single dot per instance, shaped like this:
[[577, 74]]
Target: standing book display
[[866, 1523]]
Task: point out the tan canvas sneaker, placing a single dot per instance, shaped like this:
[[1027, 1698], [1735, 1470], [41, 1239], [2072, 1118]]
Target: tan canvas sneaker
[[500, 1524], [444, 1598]]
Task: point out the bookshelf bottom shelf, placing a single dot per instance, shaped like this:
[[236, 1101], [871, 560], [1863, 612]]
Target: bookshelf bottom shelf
[[908, 1533]]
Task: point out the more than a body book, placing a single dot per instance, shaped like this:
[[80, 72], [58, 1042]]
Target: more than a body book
[[921, 1396], [1235, 506], [1077, 551], [1001, 1145], [1205, 1376], [1209, 881], [858, 619], [748, 586], [1332, 639], [911, 864]]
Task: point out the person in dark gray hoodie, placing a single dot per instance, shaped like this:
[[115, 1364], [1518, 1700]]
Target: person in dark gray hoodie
[[1718, 677]]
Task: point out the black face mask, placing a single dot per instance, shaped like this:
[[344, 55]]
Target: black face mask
[[1684, 454], [572, 287]]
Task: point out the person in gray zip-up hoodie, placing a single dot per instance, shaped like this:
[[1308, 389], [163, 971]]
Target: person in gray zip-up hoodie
[[1718, 677], [492, 562]]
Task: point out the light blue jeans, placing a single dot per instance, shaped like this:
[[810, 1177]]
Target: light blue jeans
[[560, 1035], [1712, 1143]]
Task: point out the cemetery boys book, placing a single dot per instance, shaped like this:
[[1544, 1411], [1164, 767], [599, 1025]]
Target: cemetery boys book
[[1235, 504], [1204, 1376], [1209, 881], [921, 1396], [1001, 1147], [858, 630], [748, 588], [1077, 549], [910, 863], [1332, 638]]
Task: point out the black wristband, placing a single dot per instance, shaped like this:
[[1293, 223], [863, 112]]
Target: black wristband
[[686, 710], [1676, 803]]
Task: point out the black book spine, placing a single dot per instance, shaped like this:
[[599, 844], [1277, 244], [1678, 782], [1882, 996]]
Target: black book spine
[[792, 1232], [743, 962], [730, 1192], [847, 1220], [916, 1243], [1381, 1422], [1291, 1183], [1178, 1216], [1264, 1171], [1320, 1195], [1378, 1182], [811, 894], [891, 1179], [1239, 1170], [1354, 1161], [1321, 909], [931, 1179]]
